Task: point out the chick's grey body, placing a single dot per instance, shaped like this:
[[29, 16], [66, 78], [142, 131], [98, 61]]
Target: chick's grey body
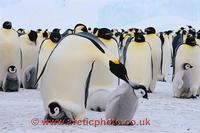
[[123, 103], [11, 82], [29, 77]]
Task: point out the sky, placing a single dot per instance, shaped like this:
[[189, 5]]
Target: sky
[[163, 14]]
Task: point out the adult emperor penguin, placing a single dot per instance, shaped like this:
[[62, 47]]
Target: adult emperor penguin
[[45, 50], [123, 103], [42, 35], [68, 86], [102, 80], [190, 53], [166, 56], [80, 28], [155, 43], [11, 81], [182, 81], [139, 50], [29, 54], [10, 53]]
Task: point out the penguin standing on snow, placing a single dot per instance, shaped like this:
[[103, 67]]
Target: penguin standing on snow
[[10, 52], [155, 43], [123, 103], [190, 53], [182, 81], [11, 82], [61, 86], [29, 58], [138, 50]]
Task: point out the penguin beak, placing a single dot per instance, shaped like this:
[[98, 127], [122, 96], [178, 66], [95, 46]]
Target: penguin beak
[[146, 96], [119, 70]]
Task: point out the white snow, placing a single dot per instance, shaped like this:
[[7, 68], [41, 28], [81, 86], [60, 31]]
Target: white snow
[[166, 114]]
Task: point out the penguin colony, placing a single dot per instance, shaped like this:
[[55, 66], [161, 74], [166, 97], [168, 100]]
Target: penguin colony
[[98, 69]]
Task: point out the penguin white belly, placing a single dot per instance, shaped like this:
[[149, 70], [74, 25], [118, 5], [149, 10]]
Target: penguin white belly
[[191, 55], [155, 44], [65, 76], [166, 59], [138, 64]]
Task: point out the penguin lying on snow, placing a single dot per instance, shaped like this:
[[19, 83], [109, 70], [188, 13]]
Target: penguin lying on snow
[[11, 82], [123, 102], [181, 82]]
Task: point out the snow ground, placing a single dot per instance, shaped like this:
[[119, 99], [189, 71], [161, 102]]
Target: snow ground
[[166, 114]]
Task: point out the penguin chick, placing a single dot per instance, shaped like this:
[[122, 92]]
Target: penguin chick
[[123, 102], [180, 88], [55, 112], [29, 77], [11, 81]]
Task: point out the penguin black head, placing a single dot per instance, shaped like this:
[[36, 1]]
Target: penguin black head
[[32, 35], [150, 30], [39, 30], [56, 30], [105, 33], [184, 32], [190, 40], [21, 31], [45, 34], [189, 26], [55, 37], [182, 28], [54, 109], [95, 30], [168, 32], [80, 28], [7, 25], [140, 91], [198, 34], [187, 66], [89, 28], [12, 69], [119, 70], [139, 38]]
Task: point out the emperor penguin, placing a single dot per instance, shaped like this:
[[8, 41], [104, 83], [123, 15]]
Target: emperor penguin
[[10, 52], [166, 57], [80, 28], [21, 31], [139, 50], [29, 54], [102, 78], [42, 35], [190, 53], [11, 81], [182, 81], [123, 103], [155, 43], [45, 50], [68, 86]]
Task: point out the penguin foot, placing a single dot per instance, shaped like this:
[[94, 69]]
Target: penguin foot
[[149, 91], [8, 90], [193, 97], [98, 109], [1, 89], [197, 95]]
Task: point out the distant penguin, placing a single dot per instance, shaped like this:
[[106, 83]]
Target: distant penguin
[[80, 28], [21, 31], [29, 77], [10, 52], [155, 43], [166, 57], [182, 81], [42, 35], [123, 103], [11, 81], [139, 62], [29, 51], [190, 53], [101, 77], [56, 112], [68, 85]]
